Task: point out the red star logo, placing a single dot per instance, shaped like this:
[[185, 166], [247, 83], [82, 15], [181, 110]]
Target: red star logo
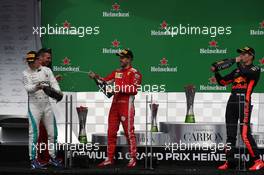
[[66, 61], [163, 25], [66, 24], [212, 80], [261, 61], [163, 61], [116, 7], [115, 43], [213, 43], [262, 24]]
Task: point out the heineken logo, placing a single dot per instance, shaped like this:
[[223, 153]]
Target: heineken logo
[[163, 25], [164, 67], [66, 61], [261, 64], [116, 7], [116, 11], [212, 85], [115, 43], [213, 48], [212, 80], [114, 48], [261, 61], [66, 24], [161, 30], [164, 62], [258, 31], [213, 43], [66, 66]]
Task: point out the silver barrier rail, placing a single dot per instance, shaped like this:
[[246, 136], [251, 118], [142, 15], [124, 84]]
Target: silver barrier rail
[[146, 139], [67, 154], [66, 133], [71, 112]]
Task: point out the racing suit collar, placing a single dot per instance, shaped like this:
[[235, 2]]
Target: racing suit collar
[[124, 69], [35, 70], [249, 65]]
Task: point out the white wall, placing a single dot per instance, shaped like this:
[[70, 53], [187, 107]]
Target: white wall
[[16, 21]]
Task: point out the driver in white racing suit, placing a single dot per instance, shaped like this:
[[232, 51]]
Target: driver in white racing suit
[[35, 77]]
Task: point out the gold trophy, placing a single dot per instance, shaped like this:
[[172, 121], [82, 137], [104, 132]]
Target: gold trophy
[[82, 115], [154, 110], [190, 93]]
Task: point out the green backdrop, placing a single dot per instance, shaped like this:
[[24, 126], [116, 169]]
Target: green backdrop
[[141, 18]]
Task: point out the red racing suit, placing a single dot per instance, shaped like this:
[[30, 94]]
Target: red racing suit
[[126, 82], [243, 80]]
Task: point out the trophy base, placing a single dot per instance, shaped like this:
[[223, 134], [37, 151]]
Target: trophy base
[[154, 129], [189, 119], [82, 139]]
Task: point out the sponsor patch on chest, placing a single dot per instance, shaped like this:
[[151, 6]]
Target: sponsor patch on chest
[[240, 80], [118, 75]]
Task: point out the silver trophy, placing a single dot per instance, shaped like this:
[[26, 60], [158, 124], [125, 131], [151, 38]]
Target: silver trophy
[[190, 93], [154, 110], [82, 115]]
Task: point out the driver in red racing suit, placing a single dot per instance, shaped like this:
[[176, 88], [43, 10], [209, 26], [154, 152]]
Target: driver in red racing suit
[[243, 79], [126, 81]]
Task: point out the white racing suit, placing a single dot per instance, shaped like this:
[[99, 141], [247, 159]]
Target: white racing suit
[[39, 108]]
